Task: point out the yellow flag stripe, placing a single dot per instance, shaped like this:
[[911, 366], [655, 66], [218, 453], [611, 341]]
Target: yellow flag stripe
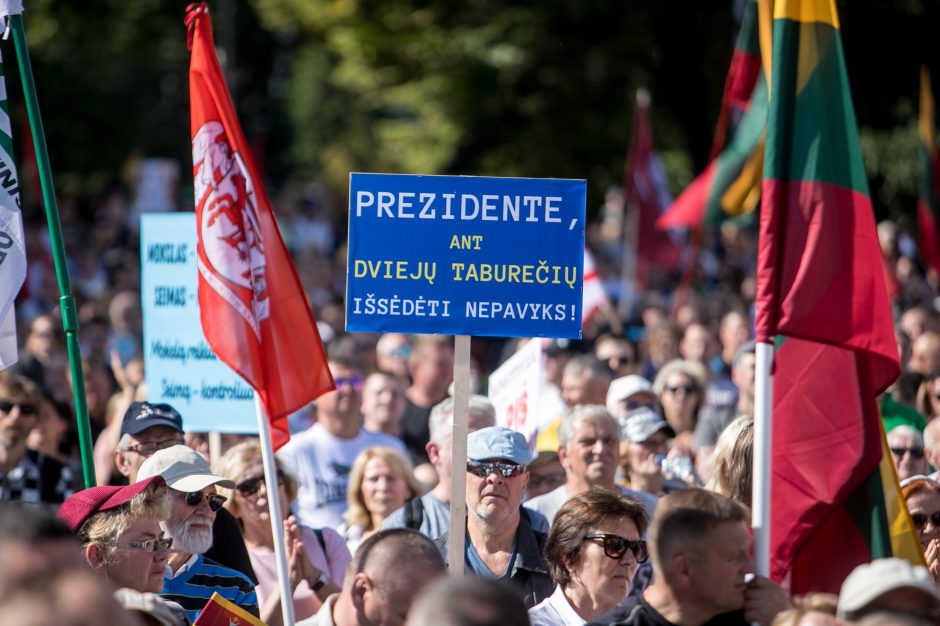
[[904, 541], [807, 11]]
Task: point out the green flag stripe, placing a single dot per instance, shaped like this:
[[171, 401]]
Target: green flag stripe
[[867, 507], [732, 159], [748, 39], [816, 128]]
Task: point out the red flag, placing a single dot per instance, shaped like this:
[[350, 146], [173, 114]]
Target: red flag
[[254, 313], [645, 191]]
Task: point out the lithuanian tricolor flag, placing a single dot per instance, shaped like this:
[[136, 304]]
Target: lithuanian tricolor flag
[[928, 197], [730, 185], [821, 285]]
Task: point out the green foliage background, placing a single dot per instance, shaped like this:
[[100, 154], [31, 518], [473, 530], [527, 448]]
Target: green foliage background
[[489, 87]]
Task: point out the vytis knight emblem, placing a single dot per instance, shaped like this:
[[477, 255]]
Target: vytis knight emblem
[[228, 224]]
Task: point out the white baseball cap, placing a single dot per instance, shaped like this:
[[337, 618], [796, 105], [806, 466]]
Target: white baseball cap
[[870, 581], [183, 469], [624, 387]]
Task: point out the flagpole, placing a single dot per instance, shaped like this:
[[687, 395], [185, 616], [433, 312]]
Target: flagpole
[[458, 474], [274, 509], [763, 431], [631, 226], [66, 301]]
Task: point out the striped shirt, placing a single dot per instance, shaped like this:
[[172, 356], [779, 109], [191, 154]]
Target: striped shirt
[[198, 579]]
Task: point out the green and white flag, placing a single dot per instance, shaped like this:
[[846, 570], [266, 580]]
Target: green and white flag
[[12, 246]]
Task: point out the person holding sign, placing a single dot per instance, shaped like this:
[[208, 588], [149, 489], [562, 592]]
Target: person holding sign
[[501, 542]]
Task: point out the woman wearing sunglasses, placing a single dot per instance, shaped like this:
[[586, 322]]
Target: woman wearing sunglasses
[[593, 551], [317, 558], [119, 529], [922, 495]]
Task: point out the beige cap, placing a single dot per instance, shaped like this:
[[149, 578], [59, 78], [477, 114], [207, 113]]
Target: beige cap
[[183, 469], [870, 581]]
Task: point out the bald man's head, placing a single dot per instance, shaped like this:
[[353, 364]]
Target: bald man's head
[[925, 353]]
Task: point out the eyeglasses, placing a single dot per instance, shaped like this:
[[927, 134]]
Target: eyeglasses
[[686, 389], [916, 453], [150, 545], [25, 407], [147, 448], [485, 468], [250, 486], [920, 520], [194, 498], [354, 381], [616, 546], [632, 405], [617, 361]]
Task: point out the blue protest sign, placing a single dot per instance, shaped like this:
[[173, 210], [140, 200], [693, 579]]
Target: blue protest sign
[[179, 365], [463, 255]]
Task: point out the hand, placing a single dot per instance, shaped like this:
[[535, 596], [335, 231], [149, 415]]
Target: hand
[[763, 600], [932, 556]]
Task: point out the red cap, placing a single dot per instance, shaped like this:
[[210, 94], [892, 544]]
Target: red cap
[[82, 505]]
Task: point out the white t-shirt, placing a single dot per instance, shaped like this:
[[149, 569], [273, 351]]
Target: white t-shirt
[[555, 610], [321, 463]]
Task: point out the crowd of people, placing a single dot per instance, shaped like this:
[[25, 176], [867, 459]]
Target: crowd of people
[[630, 507]]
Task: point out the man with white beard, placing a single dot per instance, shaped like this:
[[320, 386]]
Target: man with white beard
[[191, 578]]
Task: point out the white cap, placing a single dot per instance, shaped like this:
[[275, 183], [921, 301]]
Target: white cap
[[870, 581], [183, 469], [622, 388]]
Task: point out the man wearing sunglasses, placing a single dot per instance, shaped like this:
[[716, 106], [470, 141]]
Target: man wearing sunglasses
[[501, 542], [322, 456], [190, 578], [27, 475]]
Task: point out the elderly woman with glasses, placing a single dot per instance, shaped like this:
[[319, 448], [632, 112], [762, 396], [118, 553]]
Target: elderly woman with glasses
[[593, 551], [317, 557], [119, 529], [680, 387], [922, 495]]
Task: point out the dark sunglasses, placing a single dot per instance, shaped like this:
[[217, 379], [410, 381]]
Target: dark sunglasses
[[617, 361], [632, 405], [354, 381], [25, 408], [616, 546], [485, 468], [194, 498], [687, 389], [920, 520], [250, 486], [916, 453]]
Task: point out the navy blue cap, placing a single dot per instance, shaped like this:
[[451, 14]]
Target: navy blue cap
[[142, 415]]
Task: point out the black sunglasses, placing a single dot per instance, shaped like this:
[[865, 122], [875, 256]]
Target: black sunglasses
[[194, 498], [485, 468], [920, 520], [25, 407], [687, 389], [916, 453], [616, 546], [250, 486]]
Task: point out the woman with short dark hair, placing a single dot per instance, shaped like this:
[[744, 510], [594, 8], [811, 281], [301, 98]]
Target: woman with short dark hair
[[593, 551]]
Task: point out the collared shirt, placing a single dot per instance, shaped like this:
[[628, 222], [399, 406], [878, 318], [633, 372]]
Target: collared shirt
[[529, 574], [196, 581], [555, 611], [168, 571]]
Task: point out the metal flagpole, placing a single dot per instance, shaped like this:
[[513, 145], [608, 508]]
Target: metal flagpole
[[458, 473], [13, 11], [277, 518], [763, 431]]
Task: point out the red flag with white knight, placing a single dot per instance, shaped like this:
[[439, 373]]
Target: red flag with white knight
[[254, 313]]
